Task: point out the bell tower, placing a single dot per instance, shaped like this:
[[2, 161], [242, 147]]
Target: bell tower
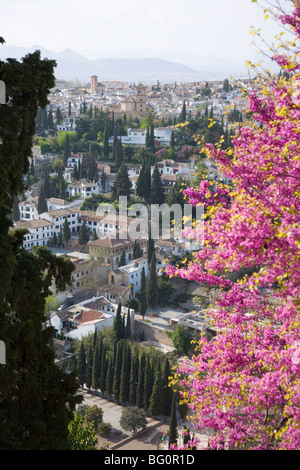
[[140, 100]]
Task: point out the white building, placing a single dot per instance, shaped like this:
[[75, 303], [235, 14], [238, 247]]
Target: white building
[[57, 218], [40, 232], [83, 189]]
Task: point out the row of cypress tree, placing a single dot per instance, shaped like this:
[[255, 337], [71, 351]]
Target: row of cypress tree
[[126, 372]]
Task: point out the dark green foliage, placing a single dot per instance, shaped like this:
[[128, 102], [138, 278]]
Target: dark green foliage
[[148, 384], [67, 150], [117, 370], [42, 203], [151, 286], [140, 385], [118, 324], [66, 231], [182, 115], [34, 410], [143, 184], [173, 423], [83, 234], [82, 365], [137, 250], [119, 154], [142, 295], [122, 185], [89, 367], [133, 380], [156, 406], [157, 193], [122, 261], [16, 210]]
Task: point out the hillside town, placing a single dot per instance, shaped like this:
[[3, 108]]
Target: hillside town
[[93, 145]]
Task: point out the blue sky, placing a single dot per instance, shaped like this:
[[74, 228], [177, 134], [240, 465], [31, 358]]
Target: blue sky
[[115, 28]]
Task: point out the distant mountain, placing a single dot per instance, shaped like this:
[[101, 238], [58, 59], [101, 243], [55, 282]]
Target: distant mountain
[[172, 66]]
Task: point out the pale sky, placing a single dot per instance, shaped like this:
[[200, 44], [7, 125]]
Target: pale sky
[[111, 28]]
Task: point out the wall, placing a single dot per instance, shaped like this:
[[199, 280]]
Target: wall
[[152, 332]]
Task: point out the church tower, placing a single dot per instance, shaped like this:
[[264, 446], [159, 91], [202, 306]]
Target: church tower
[[94, 84], [141, 99]]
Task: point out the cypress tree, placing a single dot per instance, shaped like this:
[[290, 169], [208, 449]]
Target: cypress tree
[[156, 399], [157, 193], [124, 380], [105, 140], [59, 116], [89, 367], [140, 385], [104, 366], [133, 380], [167, 390], [173, 423], [119, 154], [66, 231], [150, 248], [42, 203], [151, 286], [182, 116], [109, 377], [128, 326], [103, 179], [151, 138], [60, 238], [81, 365], [117, 370], [62, 188], [96, 368], [142, 295], [67, 150], [148, 384], [54, 241], [122, 185], [118, 323], [122, 261], [75, 174], [83, 234]]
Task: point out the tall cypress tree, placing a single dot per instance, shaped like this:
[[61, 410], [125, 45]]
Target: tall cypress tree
[[96, 368], [118, 323], [67, 150], [81, 365], [42, 203], [122, 185], [109, 377], [117, 370], [167, 390], [66, 231], [173, 423], [152, 287], [89, 367], [148, 384], [124, 380], [157, 193], [104, 366], [47, 189], [142, 295], [156, 399], [140, 385], [133, 380]]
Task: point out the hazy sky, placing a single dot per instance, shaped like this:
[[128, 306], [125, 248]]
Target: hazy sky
[[98, 28]]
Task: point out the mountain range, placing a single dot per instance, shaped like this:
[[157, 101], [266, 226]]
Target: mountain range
[[170, 66]]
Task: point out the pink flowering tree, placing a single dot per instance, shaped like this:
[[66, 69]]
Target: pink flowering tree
[[244, 384]]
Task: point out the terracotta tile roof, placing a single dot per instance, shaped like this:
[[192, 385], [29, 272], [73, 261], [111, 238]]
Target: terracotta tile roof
[[87, 316]]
